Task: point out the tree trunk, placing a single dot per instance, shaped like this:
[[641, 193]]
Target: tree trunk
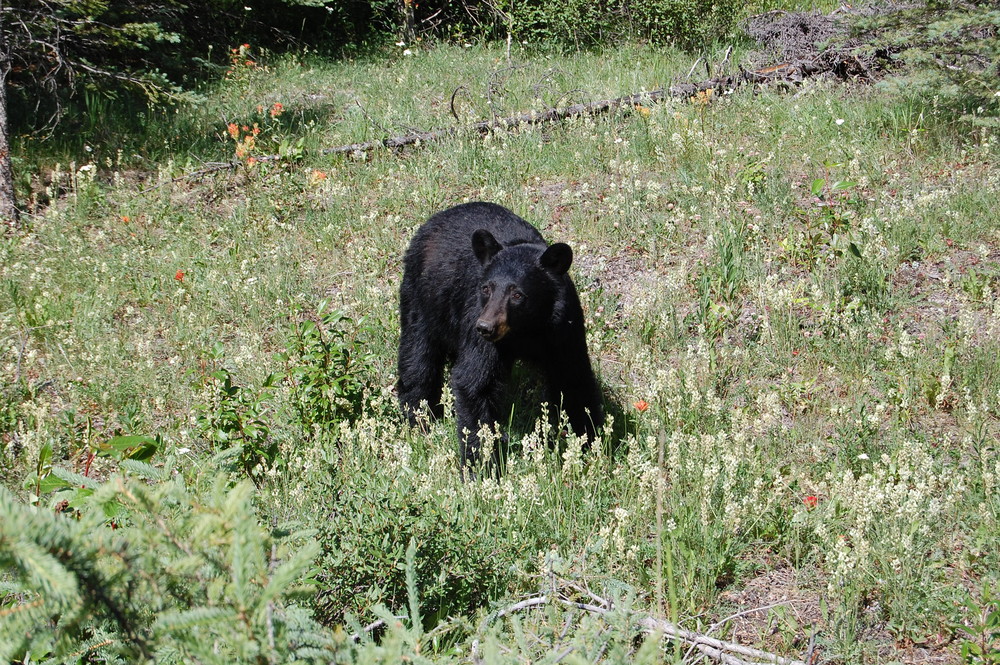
[[409, 23], [9, 214]]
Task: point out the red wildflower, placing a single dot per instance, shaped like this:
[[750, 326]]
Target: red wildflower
[[277, 109], [811, 501], [179, 275], [234, 130], [641, 405], [125, 218]]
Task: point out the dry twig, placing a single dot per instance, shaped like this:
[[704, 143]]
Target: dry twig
[[728, 653], [356, 637]]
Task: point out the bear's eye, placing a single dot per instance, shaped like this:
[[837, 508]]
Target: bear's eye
[[516, 297], [486, 290]]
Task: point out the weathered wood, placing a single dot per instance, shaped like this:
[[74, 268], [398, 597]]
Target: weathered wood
[[719, 85], [722, 651], [9, 213]]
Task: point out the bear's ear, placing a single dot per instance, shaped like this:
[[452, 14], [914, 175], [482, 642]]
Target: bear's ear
[[485, 246], [557, 258]]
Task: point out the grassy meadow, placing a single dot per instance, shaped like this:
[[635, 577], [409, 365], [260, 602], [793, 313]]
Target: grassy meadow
[[793, 305]]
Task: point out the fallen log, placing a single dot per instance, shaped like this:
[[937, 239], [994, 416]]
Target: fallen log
[[787, 72], [719, 85]]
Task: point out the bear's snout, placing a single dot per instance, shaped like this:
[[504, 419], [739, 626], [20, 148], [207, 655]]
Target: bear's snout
[[491, 331], [485, 328]]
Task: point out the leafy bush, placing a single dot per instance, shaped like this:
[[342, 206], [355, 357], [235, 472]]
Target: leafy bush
[[577, 23], [370, 521], [571, 22], [325, 366], [984, 647], [689, 24], [239, 417]]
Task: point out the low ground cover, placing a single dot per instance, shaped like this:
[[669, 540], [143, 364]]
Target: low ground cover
[[792, 303]]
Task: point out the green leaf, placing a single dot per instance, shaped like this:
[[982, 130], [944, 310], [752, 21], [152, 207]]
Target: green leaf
[[79, 498], [817, 186], [45, 455], [841, 185], [137, 447], [51, 483]]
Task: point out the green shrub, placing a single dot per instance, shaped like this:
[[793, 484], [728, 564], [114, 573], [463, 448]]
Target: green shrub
[[239, 417], [325, 370], [689, 24], [371, 518], [178, 576]]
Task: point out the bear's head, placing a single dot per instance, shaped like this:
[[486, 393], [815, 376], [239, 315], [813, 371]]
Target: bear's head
[[519, 286]]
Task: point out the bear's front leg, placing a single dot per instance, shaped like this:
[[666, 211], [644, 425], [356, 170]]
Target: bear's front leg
[[477, 383], [421, 372], [573, 388]]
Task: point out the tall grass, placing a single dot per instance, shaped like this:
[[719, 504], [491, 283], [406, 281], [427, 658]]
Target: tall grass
[[817, 361]]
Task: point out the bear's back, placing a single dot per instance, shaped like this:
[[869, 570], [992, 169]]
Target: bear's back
[[454, 227], [441, 255]]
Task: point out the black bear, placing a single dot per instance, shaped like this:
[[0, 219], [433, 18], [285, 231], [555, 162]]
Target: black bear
[[482, 289]]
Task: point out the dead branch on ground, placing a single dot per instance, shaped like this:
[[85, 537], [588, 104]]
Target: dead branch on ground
[[796, 36], [722, 651], [719, 85]]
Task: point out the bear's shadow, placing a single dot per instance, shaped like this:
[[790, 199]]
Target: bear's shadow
[[524, 396]]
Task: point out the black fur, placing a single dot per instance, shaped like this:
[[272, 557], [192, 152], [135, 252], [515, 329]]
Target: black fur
[[481, 289]]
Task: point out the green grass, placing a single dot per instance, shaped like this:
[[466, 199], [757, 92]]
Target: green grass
[[778, 362]]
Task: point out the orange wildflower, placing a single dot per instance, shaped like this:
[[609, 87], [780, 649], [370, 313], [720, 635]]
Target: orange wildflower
[[641, 405], [179, 275]]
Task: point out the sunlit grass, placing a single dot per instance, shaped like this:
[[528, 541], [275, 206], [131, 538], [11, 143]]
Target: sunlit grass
[[776, 362]]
